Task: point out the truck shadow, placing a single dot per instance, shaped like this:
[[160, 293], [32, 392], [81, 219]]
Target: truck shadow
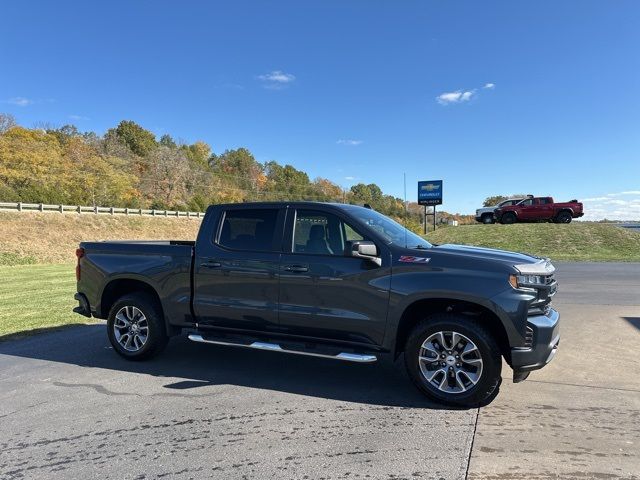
[[191, 367], [634, 321]]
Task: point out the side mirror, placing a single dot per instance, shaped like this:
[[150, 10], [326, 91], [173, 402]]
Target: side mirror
[[366, 250]]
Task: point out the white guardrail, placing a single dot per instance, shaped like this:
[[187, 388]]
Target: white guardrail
[[43, 207]]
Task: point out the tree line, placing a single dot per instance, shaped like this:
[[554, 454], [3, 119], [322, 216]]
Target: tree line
[[129, 166]]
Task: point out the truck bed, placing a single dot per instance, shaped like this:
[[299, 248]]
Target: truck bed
[[164, 264], [180, 248]]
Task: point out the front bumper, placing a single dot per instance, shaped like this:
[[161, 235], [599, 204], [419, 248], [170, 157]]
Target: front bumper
[[545, 333], [83, 307]]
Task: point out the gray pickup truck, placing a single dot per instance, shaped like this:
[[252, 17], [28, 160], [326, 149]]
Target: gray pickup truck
[[329, 280]]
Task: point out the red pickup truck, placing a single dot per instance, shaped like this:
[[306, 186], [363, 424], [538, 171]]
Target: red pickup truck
[[539, 209]]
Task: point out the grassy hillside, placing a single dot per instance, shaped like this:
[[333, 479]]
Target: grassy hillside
[[576, 241], [33, 237]]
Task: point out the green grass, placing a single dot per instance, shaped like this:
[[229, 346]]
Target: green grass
[[576, 241], [37, 297], [8, 258]]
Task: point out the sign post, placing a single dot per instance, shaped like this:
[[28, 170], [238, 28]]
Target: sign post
[[430, 194]]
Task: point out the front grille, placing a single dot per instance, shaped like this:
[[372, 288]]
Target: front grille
[[542, 303]]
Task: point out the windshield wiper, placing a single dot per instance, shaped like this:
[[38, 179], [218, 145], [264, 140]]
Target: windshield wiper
[[420, 247]]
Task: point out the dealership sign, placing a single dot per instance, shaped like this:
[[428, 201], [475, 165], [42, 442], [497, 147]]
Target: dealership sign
[[430, 192]]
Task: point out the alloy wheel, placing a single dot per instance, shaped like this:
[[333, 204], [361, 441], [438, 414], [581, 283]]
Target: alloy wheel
[[450, 362], [131, 328]]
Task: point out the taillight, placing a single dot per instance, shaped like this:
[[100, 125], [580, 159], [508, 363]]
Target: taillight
[[79, 255]]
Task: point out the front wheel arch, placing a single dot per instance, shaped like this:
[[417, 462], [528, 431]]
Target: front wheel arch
[[508, 218], [421, 308], [440, 369], [487, 218]]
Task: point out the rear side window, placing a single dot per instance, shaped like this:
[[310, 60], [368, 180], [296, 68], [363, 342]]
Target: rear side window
[[249, 229]]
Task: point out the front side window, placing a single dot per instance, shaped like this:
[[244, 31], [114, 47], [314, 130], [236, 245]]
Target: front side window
[[390, 230], [249, 229], [321, 233], [527, 202]]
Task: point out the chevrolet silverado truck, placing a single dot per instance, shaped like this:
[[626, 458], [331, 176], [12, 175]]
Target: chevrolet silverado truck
[[337, 281], [486, 214], [539, 209]]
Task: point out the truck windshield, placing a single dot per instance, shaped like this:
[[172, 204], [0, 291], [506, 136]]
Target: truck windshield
[[389, 229]]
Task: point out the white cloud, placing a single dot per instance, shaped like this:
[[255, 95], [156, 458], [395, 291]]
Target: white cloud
[[276, 79], [78, 117], [349, 142], [455, 97], [613, 206], [628, 192], [20, 101], [349, 178], [460, 96]]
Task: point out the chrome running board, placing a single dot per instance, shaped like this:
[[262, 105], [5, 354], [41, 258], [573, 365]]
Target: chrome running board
[[274, 347]]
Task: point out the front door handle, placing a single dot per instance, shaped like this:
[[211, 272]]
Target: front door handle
[[296, 268], [211, 265]]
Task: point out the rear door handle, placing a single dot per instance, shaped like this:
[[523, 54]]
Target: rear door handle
[[211, 265], [296, 268]]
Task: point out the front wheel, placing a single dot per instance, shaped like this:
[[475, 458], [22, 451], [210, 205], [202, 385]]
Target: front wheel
[[136, 328], [508, 218], [487, 218], [454, 360]]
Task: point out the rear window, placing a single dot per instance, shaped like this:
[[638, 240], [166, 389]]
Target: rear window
[[249, 229]]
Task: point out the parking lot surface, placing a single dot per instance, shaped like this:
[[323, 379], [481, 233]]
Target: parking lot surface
[[71, 408]]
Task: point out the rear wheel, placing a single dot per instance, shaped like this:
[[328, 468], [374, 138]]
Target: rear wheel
[[136, 328], [563, 217], [454, 360], [508, 218]]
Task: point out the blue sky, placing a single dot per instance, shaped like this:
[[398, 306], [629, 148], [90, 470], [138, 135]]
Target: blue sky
[[492, 97]]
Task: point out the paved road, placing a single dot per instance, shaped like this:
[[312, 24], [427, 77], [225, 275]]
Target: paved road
[[70, 408]]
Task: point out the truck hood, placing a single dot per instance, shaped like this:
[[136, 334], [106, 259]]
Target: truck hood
[[486, 209], [503, 256]]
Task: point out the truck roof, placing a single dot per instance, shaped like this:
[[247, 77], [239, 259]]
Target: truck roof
[[342, 206]]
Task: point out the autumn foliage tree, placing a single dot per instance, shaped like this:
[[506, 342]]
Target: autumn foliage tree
[[128, 167]]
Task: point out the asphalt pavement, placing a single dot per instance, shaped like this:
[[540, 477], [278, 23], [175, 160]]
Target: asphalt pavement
[[71, 408]]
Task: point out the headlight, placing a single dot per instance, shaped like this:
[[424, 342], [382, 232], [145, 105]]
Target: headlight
[[527, 281]]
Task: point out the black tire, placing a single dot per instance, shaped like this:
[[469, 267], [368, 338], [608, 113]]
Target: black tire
[[564, 217], [487, 349], [156, 338], [487, 218], [509, 218]]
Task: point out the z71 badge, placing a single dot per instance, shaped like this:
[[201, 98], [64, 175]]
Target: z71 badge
[[410, 259]]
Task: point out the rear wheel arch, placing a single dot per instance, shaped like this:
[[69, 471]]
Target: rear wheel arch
[[119, 287], [564, 212], [420, 309]]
